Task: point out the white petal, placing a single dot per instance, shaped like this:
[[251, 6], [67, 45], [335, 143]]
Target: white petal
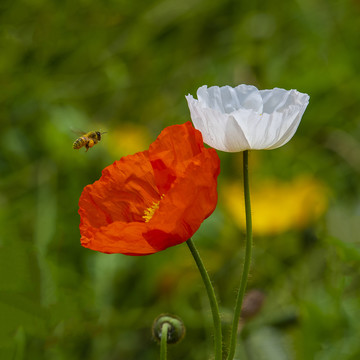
[[235, 137], [290, 124], [219, 131], [249, 98], [267, 130], [226, 99]]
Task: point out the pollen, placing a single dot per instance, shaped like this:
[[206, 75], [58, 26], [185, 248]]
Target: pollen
[[150, 211]]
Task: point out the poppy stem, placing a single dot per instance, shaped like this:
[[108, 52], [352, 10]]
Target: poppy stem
[[164, 338], [246, 269], [212, 299]]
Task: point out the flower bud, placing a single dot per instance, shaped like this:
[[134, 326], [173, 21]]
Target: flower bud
[[176, 328]]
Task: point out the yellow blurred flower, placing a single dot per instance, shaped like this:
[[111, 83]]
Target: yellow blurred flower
[[128, 139], [278, 206]]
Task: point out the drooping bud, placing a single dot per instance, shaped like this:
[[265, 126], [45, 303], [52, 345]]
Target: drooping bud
[[176, 328]]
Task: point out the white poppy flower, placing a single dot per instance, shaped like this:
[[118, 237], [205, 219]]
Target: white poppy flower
[[244, 118]]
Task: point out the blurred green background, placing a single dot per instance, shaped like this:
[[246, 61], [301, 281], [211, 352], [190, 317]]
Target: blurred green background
[[124, 67]]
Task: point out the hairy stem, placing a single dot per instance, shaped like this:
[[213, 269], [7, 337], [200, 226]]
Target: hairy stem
[[247, 261], [212, 299]]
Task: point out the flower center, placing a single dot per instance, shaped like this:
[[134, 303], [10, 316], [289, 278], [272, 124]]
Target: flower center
[[150, 211]]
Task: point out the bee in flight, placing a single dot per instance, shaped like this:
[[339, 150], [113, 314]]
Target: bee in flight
[[88, 140]]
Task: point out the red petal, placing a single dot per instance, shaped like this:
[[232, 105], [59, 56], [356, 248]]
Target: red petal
[[118, 237], [125, 189], [192, 199], [171, 151]]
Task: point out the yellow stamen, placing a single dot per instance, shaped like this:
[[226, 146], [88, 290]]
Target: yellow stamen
[[150, 211]]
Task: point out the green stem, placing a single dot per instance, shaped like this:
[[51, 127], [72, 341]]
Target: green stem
[[163, 344], [212, 299], [245, 274]]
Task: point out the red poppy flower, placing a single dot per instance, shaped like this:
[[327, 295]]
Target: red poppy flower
[[149, 201]]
